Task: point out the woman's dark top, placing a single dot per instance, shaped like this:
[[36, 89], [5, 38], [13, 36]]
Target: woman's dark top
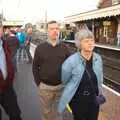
[[88, 85]]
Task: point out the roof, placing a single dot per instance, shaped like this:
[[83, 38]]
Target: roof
[[94, 14], [12, 23]]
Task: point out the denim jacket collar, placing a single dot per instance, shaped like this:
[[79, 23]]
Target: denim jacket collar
[[83, 60]]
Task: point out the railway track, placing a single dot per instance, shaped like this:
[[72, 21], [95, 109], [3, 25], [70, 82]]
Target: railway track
[[111, 74], [112, 84]]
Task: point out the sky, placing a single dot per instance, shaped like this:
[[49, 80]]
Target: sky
[[34, 10]]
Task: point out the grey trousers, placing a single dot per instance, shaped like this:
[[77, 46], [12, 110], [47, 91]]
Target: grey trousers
[[49, 96], [27, 49]]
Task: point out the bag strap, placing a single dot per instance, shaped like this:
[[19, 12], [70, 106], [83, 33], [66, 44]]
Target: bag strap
[[89, 78]]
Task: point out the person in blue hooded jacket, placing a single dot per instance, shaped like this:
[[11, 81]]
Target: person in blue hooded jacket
[[21, 36], [82, 77]]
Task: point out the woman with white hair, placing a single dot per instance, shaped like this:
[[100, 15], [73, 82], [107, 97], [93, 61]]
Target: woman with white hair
[[82, 76]]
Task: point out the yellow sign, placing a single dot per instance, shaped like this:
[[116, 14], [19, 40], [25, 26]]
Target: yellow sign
[[12, 23]]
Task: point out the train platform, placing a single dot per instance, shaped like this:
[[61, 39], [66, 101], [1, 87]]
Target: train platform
[[26, 91], [111, 109], [29, 103]]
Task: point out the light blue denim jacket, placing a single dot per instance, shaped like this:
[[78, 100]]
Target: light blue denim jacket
[[72, 72]]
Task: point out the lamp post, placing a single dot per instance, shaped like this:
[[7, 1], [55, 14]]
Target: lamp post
[[46, 20]]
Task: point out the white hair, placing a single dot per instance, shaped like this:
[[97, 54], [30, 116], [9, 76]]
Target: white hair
[[82, 34]]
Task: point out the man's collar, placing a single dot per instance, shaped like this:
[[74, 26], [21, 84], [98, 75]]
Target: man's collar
[[51, 43]]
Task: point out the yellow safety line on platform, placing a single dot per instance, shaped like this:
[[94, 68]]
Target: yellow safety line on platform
[[69, 109]]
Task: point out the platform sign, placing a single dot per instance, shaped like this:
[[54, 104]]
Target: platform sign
[[12, 23]]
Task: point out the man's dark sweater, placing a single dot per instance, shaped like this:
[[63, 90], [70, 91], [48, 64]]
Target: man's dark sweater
[[47, 63]]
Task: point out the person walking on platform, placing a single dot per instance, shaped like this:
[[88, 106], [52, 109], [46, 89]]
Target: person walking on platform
[[27, 42], [82, 76], [118, 39], [21, 36], [8, 99], [47, 62], [13, 45]]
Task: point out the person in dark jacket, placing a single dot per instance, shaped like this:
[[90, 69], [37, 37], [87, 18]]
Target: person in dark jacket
[[8, 99], [47, 62], [27, 42], [13, 45]]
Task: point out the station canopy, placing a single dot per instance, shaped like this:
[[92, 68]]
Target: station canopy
[[95, 14]]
